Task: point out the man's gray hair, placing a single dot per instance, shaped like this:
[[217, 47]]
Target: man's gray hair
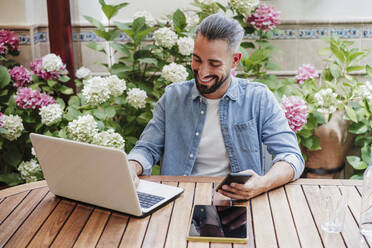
[[219, 26]]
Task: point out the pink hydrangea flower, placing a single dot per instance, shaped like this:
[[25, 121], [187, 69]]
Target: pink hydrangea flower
[[306, 72], [36, 67], [1, 123], [28, 98], [295, 111], [8, 40], [264, 18], [20, 76]]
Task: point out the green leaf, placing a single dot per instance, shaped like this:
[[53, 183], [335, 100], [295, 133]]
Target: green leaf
[[62, 133], [110, 112], [120, 48], [73, 113], [357, 177], [355, 68], [4, 77], [119, 68], [95, 22], [149, 61], [351, 113], [356, 163], [3, 131], [221, 7], [52, 83], [66, 90], [335, 70], [64, 79], [366, 153], [99, 113], [369, 70], [11, 179], [247, 45], [74, 101], [312, 143], [97, 47], [358, 128], [144, 118], [107, 35], [112, 10], [61, 102], [179, 21]]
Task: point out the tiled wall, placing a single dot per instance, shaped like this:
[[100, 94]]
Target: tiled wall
[[299, 44]]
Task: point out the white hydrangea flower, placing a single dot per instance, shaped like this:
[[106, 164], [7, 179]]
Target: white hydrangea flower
[[13, 124], [30, 171], [51, 114], [149, 19], [244, 7], [174, 73], [51, 62], [96, 90], [365, 91], [165, 37], [83, 129], [33, 152], [327, 101], [116, 85], [185, 45], [192, 19], [137, 98], [83, 73], [110, 139]]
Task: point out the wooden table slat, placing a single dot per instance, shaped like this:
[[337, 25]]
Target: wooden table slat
[[93, 229], [51, 227], [203, 195], [21, 188], [17, 217], [180, 218], [156, 233], [283, 221], [9, 204], [32, 224], [71, 229], [114, 230], [135, 232], [306, 227], [354, 203], [313, 196]]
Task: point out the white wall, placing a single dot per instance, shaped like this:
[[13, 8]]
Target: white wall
[[34, 12]]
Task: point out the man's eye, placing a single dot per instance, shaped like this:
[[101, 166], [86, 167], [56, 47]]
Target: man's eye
[[215, 64]]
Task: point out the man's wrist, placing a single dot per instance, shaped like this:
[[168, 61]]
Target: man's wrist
[[137, 166]]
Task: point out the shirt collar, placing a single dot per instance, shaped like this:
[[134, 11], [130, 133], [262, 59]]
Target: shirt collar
[[232, 91]]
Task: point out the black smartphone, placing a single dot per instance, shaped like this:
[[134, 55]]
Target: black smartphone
[[218, 224], [234, 178]]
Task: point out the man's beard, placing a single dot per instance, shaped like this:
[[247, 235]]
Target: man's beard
[[203, 89]]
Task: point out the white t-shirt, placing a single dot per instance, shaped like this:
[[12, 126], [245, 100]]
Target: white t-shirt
[[211, 159]]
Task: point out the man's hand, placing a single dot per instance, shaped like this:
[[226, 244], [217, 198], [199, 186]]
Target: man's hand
[[280, 173], [135, 169], [254, 186]]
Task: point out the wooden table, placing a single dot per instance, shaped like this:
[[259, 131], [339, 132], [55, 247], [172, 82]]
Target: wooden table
[[32, 216]]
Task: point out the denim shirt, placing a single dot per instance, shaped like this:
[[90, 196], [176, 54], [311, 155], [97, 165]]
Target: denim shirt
[[249, 116]]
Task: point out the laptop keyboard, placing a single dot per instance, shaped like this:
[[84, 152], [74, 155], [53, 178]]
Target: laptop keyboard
[[147, 200]]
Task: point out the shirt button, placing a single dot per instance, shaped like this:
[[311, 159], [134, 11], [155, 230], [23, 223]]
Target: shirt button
[[191, 156], [202, 112], [197, 133]]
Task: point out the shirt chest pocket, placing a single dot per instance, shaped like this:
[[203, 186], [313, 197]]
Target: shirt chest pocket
[[246, 134]]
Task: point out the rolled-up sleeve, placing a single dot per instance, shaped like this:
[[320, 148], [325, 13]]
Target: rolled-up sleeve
[[280, 140]]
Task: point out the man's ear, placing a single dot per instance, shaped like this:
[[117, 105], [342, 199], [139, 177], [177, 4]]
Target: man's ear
[[236, 59]]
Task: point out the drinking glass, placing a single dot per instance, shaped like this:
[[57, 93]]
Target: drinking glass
[[334, 206]]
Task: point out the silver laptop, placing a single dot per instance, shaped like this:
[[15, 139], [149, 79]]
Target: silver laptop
[[97, 175]]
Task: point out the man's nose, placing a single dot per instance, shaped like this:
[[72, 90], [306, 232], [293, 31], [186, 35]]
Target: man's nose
[[203, 71]]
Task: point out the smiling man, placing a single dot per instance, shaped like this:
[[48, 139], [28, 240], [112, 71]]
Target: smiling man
[[216, 123]]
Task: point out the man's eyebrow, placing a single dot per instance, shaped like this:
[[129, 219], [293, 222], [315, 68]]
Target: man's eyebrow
[[195, 55]]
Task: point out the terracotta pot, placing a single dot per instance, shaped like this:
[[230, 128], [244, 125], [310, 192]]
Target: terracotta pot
[[335, 142]]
